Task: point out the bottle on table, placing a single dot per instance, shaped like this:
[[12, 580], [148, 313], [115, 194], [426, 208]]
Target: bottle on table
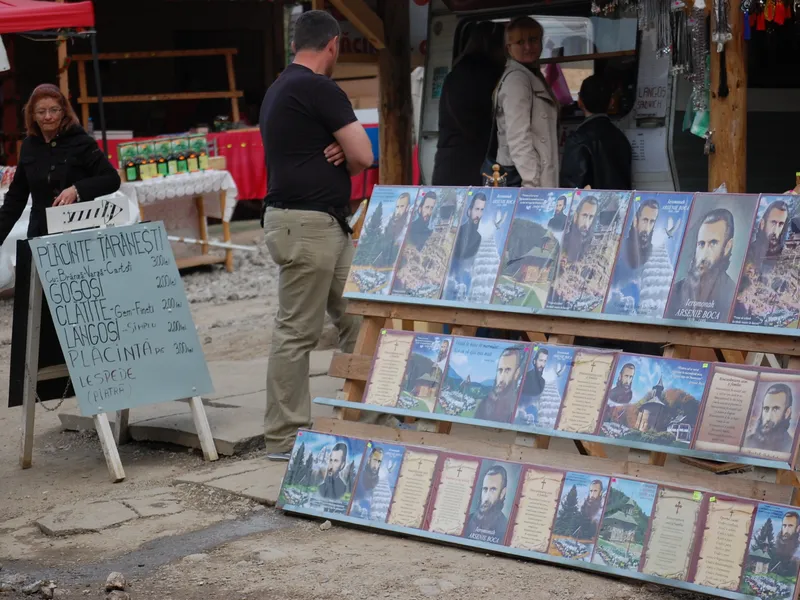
[[162, 152], [179, 148]]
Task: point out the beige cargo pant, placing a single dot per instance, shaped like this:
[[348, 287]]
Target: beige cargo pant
[[313, 256]]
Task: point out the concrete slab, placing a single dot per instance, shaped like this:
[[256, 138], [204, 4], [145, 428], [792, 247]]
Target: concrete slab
[[155, 506], [320, 362], [223, 470], [237, 378], [261, 484], [72, 420], [85, 517], [235, 430], [235, 412]]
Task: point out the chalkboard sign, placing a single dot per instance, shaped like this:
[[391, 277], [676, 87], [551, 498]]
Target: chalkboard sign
[[122, 317]]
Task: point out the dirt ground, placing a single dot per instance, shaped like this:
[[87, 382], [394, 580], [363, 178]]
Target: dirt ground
[[215, 546]]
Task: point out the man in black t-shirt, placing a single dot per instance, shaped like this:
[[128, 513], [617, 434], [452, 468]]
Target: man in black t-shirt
[[313, 145]]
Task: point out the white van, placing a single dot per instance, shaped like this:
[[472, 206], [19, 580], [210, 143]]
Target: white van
[[650, 102]]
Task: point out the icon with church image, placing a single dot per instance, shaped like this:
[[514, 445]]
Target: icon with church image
[[654, 400], [528, 264], [424, 372], [425, 256], [768, 293], [588, 250], [623, 529], [773, 554]]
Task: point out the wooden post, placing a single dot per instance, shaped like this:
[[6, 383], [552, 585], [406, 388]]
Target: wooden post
[[396, 114], [84, 92], [106, 437], [226, 231], [201, 219], [34, 327], [728, 163], [122, 434], [235, 117], [63, 76]]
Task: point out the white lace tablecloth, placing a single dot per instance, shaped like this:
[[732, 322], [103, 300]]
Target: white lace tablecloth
[[207, 184]]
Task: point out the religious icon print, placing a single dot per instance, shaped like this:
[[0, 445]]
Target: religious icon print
[[530, 258], [479, 245], [385, 226], [376, 481], [648, 254], [769, 288], [625, 522], [483, 379], [654, 400], [588, 250], [321, 474], [711, 258], [577, 522]]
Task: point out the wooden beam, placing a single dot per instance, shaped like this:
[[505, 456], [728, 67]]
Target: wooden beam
[[557, 60], [728, 115], [357, 58], [366, 21], [635, 332], [235, 117], [758, 490], [395, 108], [157, 54], [84, 90], [162, 97], [366, 343]]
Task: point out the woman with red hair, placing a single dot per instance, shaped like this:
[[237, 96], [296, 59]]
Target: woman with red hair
[[59, 163]]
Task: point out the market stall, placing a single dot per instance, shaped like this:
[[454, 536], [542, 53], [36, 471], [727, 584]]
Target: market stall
[[40, 19], [244, 159]]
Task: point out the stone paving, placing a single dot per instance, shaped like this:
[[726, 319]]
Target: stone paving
[[235, 411]]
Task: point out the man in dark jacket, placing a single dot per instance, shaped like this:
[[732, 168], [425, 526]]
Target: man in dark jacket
[[597, 154]]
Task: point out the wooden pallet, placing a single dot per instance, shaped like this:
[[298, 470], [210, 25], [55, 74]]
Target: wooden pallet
[[677, 342]]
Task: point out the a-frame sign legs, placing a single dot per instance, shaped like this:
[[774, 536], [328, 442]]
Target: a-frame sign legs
[[34, 326], [110, 450], [31, 369]]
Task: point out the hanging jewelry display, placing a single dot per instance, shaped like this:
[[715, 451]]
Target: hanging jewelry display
[[647, 13], [722, 30], [681, 44], [699, 51]]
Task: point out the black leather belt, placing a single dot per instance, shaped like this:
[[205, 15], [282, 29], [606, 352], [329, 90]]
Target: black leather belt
[[339, 215]]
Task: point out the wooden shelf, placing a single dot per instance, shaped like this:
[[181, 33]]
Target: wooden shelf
[[158, 54], [231, 93], [162, 97], [583, 57]]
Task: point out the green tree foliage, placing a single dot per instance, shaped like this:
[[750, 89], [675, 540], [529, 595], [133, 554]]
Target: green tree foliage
[[295, 469], [569, 515], [764, 540]]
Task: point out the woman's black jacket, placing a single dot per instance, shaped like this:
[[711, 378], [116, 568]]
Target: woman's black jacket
[[45, 169]]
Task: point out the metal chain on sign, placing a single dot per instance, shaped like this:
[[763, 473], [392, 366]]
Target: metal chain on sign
[[36, 394]]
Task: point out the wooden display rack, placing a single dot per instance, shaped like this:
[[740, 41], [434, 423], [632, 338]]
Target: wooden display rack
[[85, 100], [677, 342]]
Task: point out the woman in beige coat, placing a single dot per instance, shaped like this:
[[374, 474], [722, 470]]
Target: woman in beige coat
[[527, 111]]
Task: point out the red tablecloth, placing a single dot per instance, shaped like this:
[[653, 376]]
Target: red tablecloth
[[244, 155]]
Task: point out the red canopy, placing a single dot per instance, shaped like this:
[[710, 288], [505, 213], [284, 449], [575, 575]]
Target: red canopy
[[35, 15]]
